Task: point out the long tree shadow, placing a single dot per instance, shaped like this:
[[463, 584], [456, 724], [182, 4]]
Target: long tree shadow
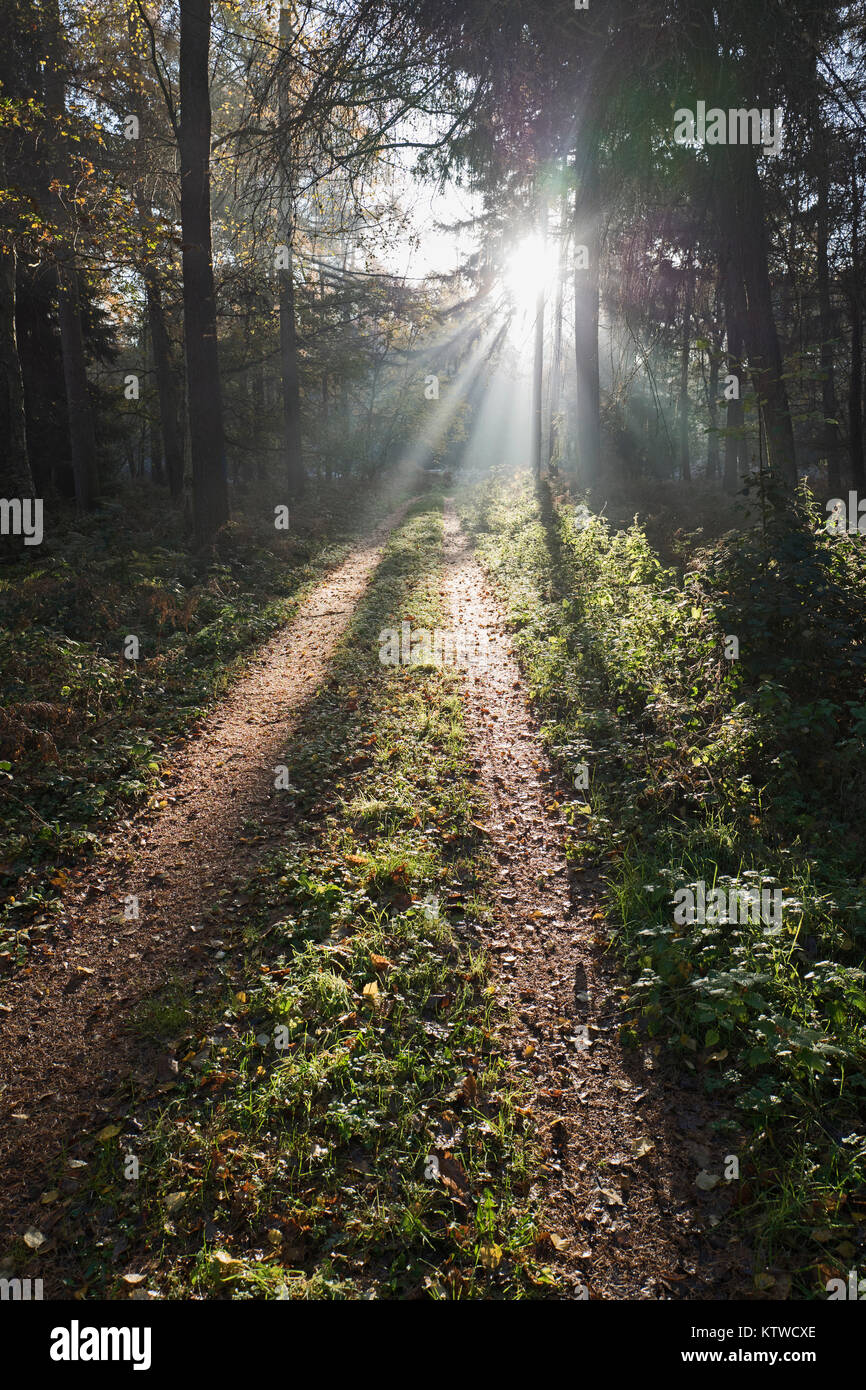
[[298, 917], [697, 1130], [138, 1051]]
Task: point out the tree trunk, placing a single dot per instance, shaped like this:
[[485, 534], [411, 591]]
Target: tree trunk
[[743, 214], [587, 233], [713, 409], [831, 434], [204, 392], [82, 439], [166, 384], [15, 479], [857, 462], [538, 371], [554, 449], [685, 350], [288, 328], [735, 443], [324, 433], [291, 380]]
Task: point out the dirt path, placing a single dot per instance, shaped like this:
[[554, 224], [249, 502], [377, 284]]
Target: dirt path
[[62, 1052], [625, 1142]]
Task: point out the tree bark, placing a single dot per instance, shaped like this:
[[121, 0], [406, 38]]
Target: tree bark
[[15, 477], [554, 449], [587, 233], [743, 214], [168, 380], [204, 391], [713, 410], [82, 435], [831, 435], [857, 463], [166, 383], [295, 473], [735, 444], [685, 350], [538, 371], [82, 438]]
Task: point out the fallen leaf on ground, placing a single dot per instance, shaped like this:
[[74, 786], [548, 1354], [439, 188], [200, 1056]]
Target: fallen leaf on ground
[[489, 1254], [706, 1181]]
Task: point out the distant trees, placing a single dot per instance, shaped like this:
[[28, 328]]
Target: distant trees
[[204, 391], [194, 201], [593, 93], [125, 199]]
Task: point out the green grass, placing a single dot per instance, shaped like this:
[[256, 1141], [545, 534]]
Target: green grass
[[166, 1014], [730, 773], [345, 1125], [85, 734]]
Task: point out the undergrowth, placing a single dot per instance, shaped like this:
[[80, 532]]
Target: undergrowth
[[85, 730], [713, 764]]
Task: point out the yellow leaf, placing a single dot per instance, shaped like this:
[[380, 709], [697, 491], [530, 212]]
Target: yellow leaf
[[489, 1254]]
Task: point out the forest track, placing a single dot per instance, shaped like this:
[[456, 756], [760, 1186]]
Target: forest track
[[64, 1049], [625, 1140]]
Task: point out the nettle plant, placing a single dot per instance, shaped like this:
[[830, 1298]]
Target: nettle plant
[[651, 637], [719, 984], [797, 598]]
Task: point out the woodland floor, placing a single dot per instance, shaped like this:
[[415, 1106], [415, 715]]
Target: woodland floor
[[621, 1137], [62, 1055]]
